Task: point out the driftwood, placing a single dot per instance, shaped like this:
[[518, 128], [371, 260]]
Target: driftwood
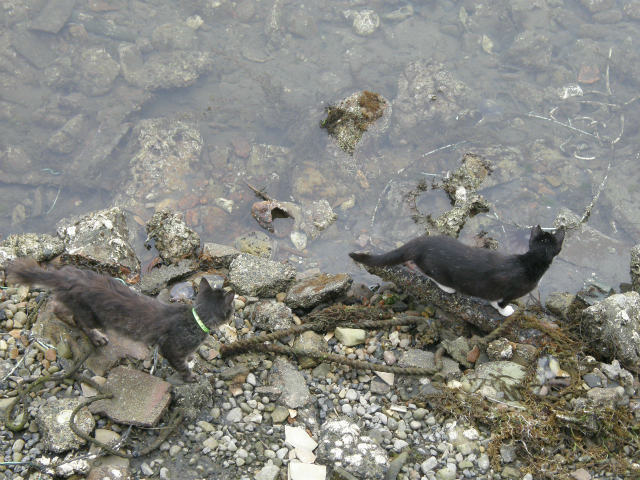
[[472, 310]]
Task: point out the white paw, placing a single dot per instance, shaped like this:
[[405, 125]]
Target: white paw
[[506, 311], [442, 287]]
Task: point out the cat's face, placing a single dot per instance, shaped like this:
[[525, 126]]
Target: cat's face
[[216, 304], [539, 238]]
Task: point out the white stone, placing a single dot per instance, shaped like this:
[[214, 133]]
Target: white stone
[[306, 471], [297, 437], [387, 377]]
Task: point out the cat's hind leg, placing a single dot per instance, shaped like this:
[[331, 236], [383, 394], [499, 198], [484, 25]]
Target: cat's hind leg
[[179, 362], [85, 319], [505, 311], [442, 287]]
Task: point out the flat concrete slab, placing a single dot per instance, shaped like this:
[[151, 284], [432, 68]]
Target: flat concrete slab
[[118, 347], [139, 398]]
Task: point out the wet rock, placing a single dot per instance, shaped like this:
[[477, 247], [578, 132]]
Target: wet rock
[[53, 423], [270, 316], [595, 6], [500, 349], [173, 239], [97, 71], [347, 121], [181, 292], [254, 243], [309, 341], [216, 255], [612, 327], [342, 444], [311, 291], [635, 268], [266, 211], [559, 303], [101, 240], [461, 187], [259, 277], [496, 379], [158, 278], [41, 247], [287, 379], [138, 398], [264, 159], [632, 9], [172, 69]]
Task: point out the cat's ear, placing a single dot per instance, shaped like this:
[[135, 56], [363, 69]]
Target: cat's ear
[[228, 297], [535, 233], [204, 285]]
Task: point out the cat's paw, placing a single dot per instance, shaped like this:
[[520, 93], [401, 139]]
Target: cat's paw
[[506, 311], [98, 338]]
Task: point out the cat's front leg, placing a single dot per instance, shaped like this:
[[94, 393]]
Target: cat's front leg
[[505, 311]]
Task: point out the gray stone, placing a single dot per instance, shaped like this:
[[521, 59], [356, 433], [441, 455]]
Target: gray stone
[[109, 472], [234, 415], [218, 255], [40, 247], [138, 398], [193, 397], [254, 276], [173, 239], [341, 443], [414, 357], [311, 291], [100, 239], [606, 397], [280, 414], [288, 379], [508, 453], [53, 423], [458, 350], [612, 327], [270, 315]]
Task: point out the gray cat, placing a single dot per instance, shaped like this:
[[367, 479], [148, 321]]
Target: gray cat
[[491, 275], [98, 301]]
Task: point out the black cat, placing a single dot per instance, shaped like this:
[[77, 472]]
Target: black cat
[[98, 301], [493, 276]]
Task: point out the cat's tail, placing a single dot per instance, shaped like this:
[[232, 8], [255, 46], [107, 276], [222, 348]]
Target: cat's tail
[[393, 257], [27, 272]]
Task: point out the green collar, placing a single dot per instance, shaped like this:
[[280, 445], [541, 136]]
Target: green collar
[[204, 328]]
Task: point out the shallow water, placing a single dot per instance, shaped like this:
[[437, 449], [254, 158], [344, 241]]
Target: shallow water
[[500, 73]]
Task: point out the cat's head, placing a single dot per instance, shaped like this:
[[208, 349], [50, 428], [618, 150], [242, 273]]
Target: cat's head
[[214, 305], [551, 241]]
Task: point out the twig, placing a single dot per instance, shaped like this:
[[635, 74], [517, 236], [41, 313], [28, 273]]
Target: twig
[[54, 200], [566, 125], [15, 366], [259, 192], [606, 75], [587, 210]]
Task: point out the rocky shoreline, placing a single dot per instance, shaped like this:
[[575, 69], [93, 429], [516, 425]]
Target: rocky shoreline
[[528, 401]]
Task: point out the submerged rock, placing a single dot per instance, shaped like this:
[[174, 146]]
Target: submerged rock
[[613, 327], [218, 255]]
